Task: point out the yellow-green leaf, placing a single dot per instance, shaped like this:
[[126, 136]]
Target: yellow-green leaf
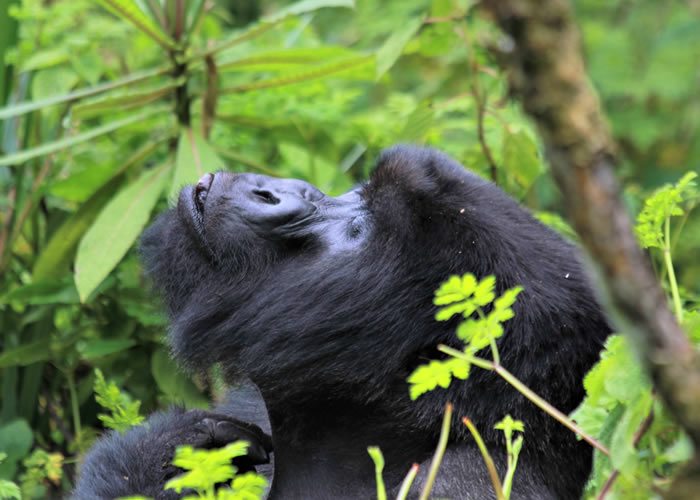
[[195, 157], [115, 229]]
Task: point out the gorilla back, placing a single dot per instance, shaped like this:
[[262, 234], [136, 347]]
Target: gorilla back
[[325, 304]]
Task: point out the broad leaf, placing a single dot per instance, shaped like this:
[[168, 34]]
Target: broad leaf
[[195, 157], [520, 158], [115, 229], [58, 253], [390, 52]]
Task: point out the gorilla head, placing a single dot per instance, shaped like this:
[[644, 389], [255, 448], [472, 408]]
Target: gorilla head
[[325, 303]]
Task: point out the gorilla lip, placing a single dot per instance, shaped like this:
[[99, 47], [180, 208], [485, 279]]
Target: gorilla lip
[[191, 205], [201, 191]]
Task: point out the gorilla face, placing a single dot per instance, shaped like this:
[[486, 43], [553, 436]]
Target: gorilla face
[[225, 211]]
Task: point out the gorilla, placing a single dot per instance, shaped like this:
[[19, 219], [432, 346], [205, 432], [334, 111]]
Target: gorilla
[[318, 308]]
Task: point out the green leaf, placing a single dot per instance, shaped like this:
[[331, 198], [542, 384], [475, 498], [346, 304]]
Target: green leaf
[[25, 354], [115, 229], [8, 489], [664, 203], [174, 383], [269, 23], [417, 124], [194, 158], [508, 426], [27, 106], [43, 292], [483, 293], [622, 450], [438, 373], [248, 486], [206, 467], [304, 6], [281, 59], [15, 440], [8, 39], [128, 10], [46, 58], [314, 73], [120, 103], [194, 14], [52, 147], [58, 253], [93, 349], [520, 157], [390, 52]]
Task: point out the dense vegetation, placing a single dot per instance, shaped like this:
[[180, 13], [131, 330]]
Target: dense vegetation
[[111, 106]]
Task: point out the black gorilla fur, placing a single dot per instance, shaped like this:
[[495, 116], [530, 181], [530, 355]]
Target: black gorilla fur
[[325, 304]]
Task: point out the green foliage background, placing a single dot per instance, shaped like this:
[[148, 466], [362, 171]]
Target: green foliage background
[[107, 115]]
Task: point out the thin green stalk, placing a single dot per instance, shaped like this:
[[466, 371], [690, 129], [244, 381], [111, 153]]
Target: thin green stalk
[[439, 452], [378, 460], [512, 464], [669, 268], [528, 393], [407, 482], [487, 458], [75, 406]]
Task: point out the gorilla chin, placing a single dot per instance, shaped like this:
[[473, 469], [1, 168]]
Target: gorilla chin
[[318, 308]]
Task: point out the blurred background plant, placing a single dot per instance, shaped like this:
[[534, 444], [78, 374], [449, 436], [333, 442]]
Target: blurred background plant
[[112, 105]]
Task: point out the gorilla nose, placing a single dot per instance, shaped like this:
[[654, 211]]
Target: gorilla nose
[[202, 188]]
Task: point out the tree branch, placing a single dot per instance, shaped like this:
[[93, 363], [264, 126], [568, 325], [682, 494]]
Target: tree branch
[[547, 73]]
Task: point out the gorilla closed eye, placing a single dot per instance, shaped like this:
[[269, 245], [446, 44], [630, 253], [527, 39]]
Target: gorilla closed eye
[[266, 196]]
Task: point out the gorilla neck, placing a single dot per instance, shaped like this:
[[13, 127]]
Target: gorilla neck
[[320, 450]]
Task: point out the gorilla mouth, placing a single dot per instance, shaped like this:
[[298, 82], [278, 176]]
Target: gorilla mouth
[[201, 190]]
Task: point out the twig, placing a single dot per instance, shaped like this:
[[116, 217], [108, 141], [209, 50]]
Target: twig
[[493, 473], [439, 452], [528, 393], [480, 99], [407, 482], [547, 72]]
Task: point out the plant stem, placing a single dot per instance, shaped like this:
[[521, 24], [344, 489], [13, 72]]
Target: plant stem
[[74, 404], [669, 268], [407, 482], [439, 452], [487, 458], [528, 393]]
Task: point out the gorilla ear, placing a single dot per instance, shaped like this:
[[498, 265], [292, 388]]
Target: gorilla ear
[[409, 168]]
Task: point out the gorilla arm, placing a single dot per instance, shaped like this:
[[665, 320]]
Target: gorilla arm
[[139, 462]]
